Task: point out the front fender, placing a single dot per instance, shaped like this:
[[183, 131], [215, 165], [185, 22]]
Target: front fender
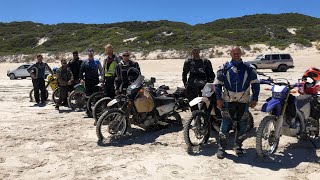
[[113, 102], [272, 104], [197, 100]]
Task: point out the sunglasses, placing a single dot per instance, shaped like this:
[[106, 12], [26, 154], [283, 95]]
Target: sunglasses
[[64, 62], [125, 55]]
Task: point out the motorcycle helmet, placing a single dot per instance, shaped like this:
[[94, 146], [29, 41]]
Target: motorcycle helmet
[[132, 74], [54, 70], [312, 73]]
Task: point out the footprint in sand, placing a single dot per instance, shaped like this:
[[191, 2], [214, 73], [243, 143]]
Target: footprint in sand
[[2, 159], [171, 170]]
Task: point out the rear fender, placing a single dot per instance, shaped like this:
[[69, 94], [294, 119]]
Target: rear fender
[[113, 102]]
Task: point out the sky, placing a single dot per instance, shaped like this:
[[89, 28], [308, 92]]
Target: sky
[[109, 11]]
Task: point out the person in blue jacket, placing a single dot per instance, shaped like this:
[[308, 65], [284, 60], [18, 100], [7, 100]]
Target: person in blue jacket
[[90, 74], [233, 83]]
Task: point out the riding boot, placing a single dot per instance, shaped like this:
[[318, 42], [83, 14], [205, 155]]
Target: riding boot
[[222, 143]]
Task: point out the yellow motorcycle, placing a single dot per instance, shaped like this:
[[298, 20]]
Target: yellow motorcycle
[[52, 82]]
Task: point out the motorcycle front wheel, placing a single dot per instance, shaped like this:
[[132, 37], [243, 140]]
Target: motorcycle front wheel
[[112, 123], [77, 100], [93, 99], [56, 95], [197, 129], [266, 142]]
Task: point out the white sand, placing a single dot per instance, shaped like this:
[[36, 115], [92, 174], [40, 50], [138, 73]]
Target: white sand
[[41, 143]]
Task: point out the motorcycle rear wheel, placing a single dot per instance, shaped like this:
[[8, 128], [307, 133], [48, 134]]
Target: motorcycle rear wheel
[[77, 100]]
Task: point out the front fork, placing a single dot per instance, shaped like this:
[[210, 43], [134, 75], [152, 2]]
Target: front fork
[[280, 120]]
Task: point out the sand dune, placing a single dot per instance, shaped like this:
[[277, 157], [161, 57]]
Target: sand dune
[[41, 143]]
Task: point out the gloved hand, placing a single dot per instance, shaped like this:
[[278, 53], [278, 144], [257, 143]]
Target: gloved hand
[[220, 104], [101, 79]]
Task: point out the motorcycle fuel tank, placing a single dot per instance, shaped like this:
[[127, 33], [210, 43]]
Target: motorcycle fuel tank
[[144, 103]]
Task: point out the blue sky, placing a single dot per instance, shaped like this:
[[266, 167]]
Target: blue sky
[[106, 11]]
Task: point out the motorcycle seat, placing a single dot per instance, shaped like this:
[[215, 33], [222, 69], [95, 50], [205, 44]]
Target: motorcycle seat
[[302, 100], [159, 101]]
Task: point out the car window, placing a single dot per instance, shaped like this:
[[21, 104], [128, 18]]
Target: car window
[[285, 56], [275, 57], [259, 57], [21, 67], [267, 57]]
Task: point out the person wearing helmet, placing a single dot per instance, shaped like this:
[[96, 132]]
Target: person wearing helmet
[[200, 72], [109, 65], [125, 73], [65, 80]]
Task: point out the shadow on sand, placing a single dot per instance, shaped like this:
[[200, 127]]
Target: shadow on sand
[[291, 157], [139, 136]]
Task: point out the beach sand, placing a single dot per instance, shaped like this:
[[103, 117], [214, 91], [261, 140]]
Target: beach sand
[[41, 143]]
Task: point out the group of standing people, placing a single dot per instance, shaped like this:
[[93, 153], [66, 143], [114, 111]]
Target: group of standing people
[[233, 83], [114, 72]]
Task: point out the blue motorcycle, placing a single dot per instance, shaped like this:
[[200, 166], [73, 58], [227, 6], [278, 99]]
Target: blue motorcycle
[[288, 115]]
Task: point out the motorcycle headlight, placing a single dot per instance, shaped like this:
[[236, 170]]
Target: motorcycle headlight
[[277, 95]]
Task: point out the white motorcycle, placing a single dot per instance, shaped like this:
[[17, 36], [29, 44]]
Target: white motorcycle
[[206, 118]]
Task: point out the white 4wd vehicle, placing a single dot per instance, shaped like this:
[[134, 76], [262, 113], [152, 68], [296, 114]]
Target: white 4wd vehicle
[[21, 72], [276, 62]]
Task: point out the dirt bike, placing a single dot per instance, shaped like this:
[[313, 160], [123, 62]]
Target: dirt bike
[[50, 81], [288, 115], [140, 108], [208, 117], [77, 98], [101, 105]]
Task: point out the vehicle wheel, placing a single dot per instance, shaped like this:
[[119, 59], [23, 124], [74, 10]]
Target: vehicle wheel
[[250, 123], [12, 76], [175, 119], [31, 95], [100, 107], [275, 70], [93, 99], [56, 95], [77, 100], [197, 127], [266, 143], [282, 68], [111, 123]]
